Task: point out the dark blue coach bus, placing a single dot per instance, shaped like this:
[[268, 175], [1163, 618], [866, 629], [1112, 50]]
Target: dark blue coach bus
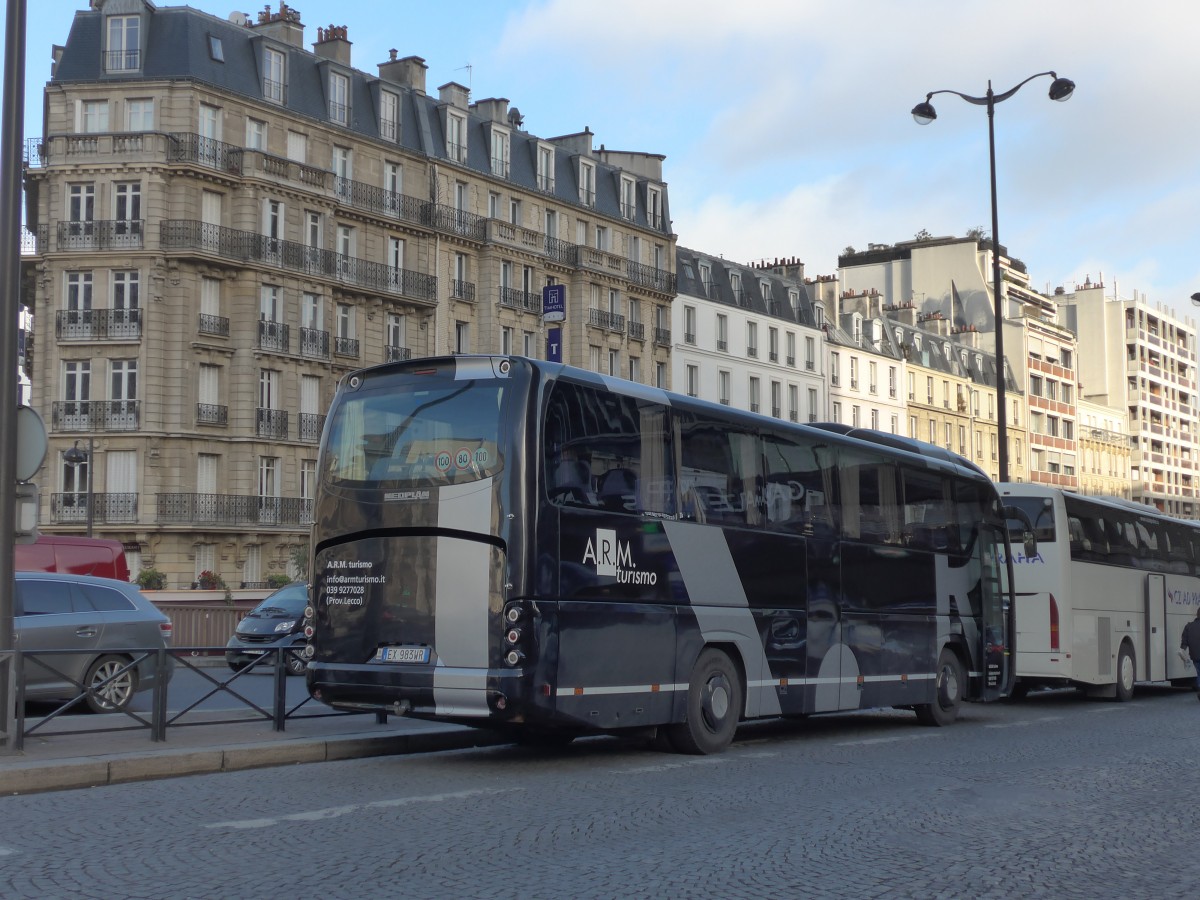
[[522, 545]]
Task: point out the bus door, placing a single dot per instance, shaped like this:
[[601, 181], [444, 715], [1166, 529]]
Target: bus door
[[998, 614], [1156, 628]]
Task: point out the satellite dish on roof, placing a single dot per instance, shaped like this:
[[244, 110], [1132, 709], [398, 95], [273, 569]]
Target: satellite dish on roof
[[239, 18]]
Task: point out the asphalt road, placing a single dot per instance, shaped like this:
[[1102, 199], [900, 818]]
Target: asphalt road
[[1058, 796]]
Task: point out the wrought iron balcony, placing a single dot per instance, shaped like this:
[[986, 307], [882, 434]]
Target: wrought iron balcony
[[514, 298], [602, 318], [462, 290], [314, 344], [392, 353], [372, 199], [105, 234], [218, 325], [98, 324], [651, 278], [662, 337], [211, 414], [310, 425], [95, 415], [233, 509], [113, 509], [637, 331], [205, 151], [122, 60], [273, 336], [246, 246], [456, 221], [562, 251], [346, 346], [271, 423]]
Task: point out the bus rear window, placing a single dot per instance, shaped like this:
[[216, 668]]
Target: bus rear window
[[423, 432]]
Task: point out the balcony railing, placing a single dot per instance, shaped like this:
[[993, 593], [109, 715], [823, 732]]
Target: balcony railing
[[561, 251], [345, 346], [310, 425], [205, 151], [233, 509], [274, 336], [662, 337], [392, 353], [105, 234], [95, 415], [98, 324], [372, 199], [456, 221], [515, 298], [462, 290], [314, 343], [651, 278], [271, 423], [218, 325], [602, 318], [108, 508], [246, 246], [637, 331], [122, 60], [211, 414]]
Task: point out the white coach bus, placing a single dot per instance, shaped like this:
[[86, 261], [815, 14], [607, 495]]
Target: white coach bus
[[1103, 603]]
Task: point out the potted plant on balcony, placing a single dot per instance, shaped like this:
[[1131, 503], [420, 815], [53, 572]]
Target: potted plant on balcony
[[151, 580], [209, 581]]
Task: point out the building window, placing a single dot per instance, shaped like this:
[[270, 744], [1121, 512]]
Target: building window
[[614, 363], [506, 340], [587, 183], [723, 387], [339, 98], [256, 134], [628, 197], [297, 147], [693, 381], [654, 215], [635, 368], [545, 169], [462, 337], [812, 405], [689, 324], [499, 153], [94, 116], [139, 115], [216, 50], [389, 116], [124, 44], [456, 141], [660, 375], [752, 339], [274, 77], [722, 332], [755, 394]]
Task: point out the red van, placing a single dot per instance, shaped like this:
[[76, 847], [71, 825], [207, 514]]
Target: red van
[[72, 554]]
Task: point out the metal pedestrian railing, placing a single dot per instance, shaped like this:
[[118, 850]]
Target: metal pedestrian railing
[[166, 662]]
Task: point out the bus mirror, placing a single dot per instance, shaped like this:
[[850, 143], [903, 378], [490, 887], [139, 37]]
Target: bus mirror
[[1030, 544]]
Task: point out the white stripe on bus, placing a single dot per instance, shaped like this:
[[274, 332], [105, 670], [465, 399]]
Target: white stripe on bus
[[764, 683]]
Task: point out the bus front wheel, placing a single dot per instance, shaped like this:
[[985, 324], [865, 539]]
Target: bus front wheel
[[1126, 674], [949, 687], [714, 705]]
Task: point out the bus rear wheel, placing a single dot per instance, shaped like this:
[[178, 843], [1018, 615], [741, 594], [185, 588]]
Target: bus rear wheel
[[950, 682], [714, 705], [1126, 674]]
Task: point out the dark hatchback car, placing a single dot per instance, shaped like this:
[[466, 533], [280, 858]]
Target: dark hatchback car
[[277, 622], [113, 634]]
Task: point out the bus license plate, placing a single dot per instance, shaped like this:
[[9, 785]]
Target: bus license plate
[[402, 654]]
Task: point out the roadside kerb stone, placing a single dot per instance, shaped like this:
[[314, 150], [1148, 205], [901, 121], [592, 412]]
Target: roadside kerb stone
[[166, 764]]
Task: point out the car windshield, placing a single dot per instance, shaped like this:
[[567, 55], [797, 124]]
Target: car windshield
[[287, 601]]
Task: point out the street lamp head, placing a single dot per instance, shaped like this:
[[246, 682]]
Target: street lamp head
[[1061, 89], [75, 456], [924, 113], [1196, 298]]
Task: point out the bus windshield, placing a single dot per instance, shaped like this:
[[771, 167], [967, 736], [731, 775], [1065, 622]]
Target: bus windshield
[[417, 431]]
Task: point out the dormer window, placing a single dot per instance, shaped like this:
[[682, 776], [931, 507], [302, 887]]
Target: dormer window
[[216, 50], [339, 98], [946, 351], [499, 152], [819, 314], [856, 325], [545, 168], [628, 197], [389, 116], [587, 183], [456, 137], [794, 299], [124, 51], [654, 214], [273, 75]]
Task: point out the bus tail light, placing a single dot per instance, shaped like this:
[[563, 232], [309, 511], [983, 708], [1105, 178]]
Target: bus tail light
[[1054, 645], [514, 657], [513, 635]]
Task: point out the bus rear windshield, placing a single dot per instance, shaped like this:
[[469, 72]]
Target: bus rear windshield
[[414, 432]]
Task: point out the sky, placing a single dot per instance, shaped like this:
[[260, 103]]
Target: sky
[[787, 128]]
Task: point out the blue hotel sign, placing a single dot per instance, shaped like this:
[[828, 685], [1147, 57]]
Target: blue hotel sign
[[554, 302]]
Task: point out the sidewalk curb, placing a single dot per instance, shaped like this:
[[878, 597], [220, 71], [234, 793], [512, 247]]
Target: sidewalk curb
[[97, 771]]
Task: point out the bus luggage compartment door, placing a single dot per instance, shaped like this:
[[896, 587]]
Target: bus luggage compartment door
[[1156, 628]]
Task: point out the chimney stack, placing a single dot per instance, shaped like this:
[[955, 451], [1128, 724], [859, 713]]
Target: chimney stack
[[284, 26], [333, 44], [409, 71]]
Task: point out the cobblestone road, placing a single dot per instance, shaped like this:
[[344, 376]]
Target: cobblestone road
[[1057, 797]]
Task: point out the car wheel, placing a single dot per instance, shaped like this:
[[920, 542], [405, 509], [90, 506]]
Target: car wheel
[[714, 706], [294, 661], [116, 694], [950, 683]]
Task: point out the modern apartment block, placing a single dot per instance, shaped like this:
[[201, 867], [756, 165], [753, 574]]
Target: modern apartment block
[[748, 337], [227, 222], [1142, 357], [1105, 450]]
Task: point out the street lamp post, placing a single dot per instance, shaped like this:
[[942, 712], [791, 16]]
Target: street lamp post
[[924, 113], [77, 457]]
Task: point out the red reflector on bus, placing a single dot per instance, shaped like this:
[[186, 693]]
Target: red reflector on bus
[[1053, 624], [578, 692]]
